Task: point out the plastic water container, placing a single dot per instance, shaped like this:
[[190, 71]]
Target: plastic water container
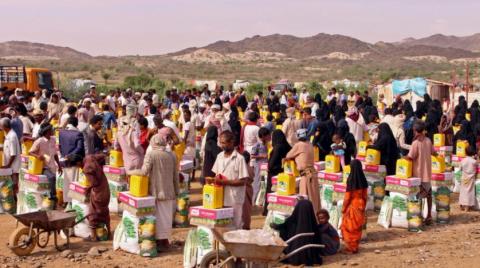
[[332, 163], [404, 169], [366, 136], [179, 150], [290, 167], [82, 179], [438, 164], [286, 184], [26, 145], [116, 159], [2, 136], [139, 185], [346, 173], [362, 148], [298, 115], [316, 153], [462, 148], [212, 196], [35, 165], [439, 139], [276, 115], [372, 157]]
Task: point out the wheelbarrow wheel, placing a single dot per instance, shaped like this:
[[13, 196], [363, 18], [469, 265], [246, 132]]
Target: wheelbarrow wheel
[[210, 260], [21, 243]]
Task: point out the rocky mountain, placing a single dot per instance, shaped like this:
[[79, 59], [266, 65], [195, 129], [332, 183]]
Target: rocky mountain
[[319, 47], [28, 51], [291, 46], [471, 43]]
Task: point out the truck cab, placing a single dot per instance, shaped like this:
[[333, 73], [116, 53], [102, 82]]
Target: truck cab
[[27, 78]]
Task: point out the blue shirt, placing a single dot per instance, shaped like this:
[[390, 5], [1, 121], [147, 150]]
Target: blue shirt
[[17, 126], [108, 119]]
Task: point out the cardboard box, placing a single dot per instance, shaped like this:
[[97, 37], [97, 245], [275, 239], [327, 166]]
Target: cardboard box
[[186, 164], [447, 149], [213, 214], [291, 200], [410, 182], [5, 173], [139, 212], [264, 166], [115, 173], [374, 168], [319, 166], [329, 178], [35, 178], [136, 202]]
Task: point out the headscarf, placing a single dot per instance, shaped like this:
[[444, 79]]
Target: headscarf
[[339, 114], [211, 145], [356, 179], [387, 145], [280, 148], [131, 110], [160, 140], [302, 220]]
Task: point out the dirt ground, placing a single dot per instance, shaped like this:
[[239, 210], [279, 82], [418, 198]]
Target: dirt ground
[[448, 245]]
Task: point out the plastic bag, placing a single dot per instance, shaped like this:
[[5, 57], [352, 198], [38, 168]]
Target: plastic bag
[[385, 215], [261, 194]]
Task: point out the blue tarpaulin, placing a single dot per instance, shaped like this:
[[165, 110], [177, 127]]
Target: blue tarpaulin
[[417, 85]]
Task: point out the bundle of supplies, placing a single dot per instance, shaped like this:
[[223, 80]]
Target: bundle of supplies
[[210, 217]]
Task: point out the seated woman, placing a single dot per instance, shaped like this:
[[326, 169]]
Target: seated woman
[[328, 235], [302, 220]]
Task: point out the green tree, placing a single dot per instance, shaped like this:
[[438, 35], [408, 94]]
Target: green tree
[[105, 77]]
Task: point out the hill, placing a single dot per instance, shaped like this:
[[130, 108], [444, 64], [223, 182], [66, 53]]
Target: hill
[[32, 51], [471, 43], [291, 46], [322, 46]]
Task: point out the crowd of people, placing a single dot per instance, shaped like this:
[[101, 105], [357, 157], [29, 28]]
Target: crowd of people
[[237, 136]]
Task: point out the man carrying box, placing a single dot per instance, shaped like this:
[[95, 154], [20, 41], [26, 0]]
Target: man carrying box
[[231, 172]]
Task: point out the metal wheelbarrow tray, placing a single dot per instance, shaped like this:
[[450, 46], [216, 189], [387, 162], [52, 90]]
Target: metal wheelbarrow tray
[[267, 255], [23, 240]]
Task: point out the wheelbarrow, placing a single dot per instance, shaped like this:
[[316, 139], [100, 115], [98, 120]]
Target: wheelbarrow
[[23, 240], [254, 255]]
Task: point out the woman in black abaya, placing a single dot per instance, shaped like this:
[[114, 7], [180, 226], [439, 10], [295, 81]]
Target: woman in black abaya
[[387, 145], [302, 220]]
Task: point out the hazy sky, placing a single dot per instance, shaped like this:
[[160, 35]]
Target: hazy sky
[[146, 27]]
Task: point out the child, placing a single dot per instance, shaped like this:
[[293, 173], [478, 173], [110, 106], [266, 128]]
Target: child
[[354, 205], [269, 124], [231, 172], [338, 148], [259, 157], [44, 149], [328, 234], [248, 203], [467, 188], [189, 135], [420, 154]]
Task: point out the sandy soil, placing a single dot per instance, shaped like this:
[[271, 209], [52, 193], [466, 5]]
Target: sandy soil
[[448, 245]]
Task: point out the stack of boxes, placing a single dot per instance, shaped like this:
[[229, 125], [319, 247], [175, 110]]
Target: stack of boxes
[[80, 203], [7, 200], [138, 219], [211, 214], [117, 182], [34, 190], [441, 183], [281, 203], [406, 209], [461, 153], [327, 179], [375, 174]]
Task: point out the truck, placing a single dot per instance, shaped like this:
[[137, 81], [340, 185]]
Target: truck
[[27, 78]]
